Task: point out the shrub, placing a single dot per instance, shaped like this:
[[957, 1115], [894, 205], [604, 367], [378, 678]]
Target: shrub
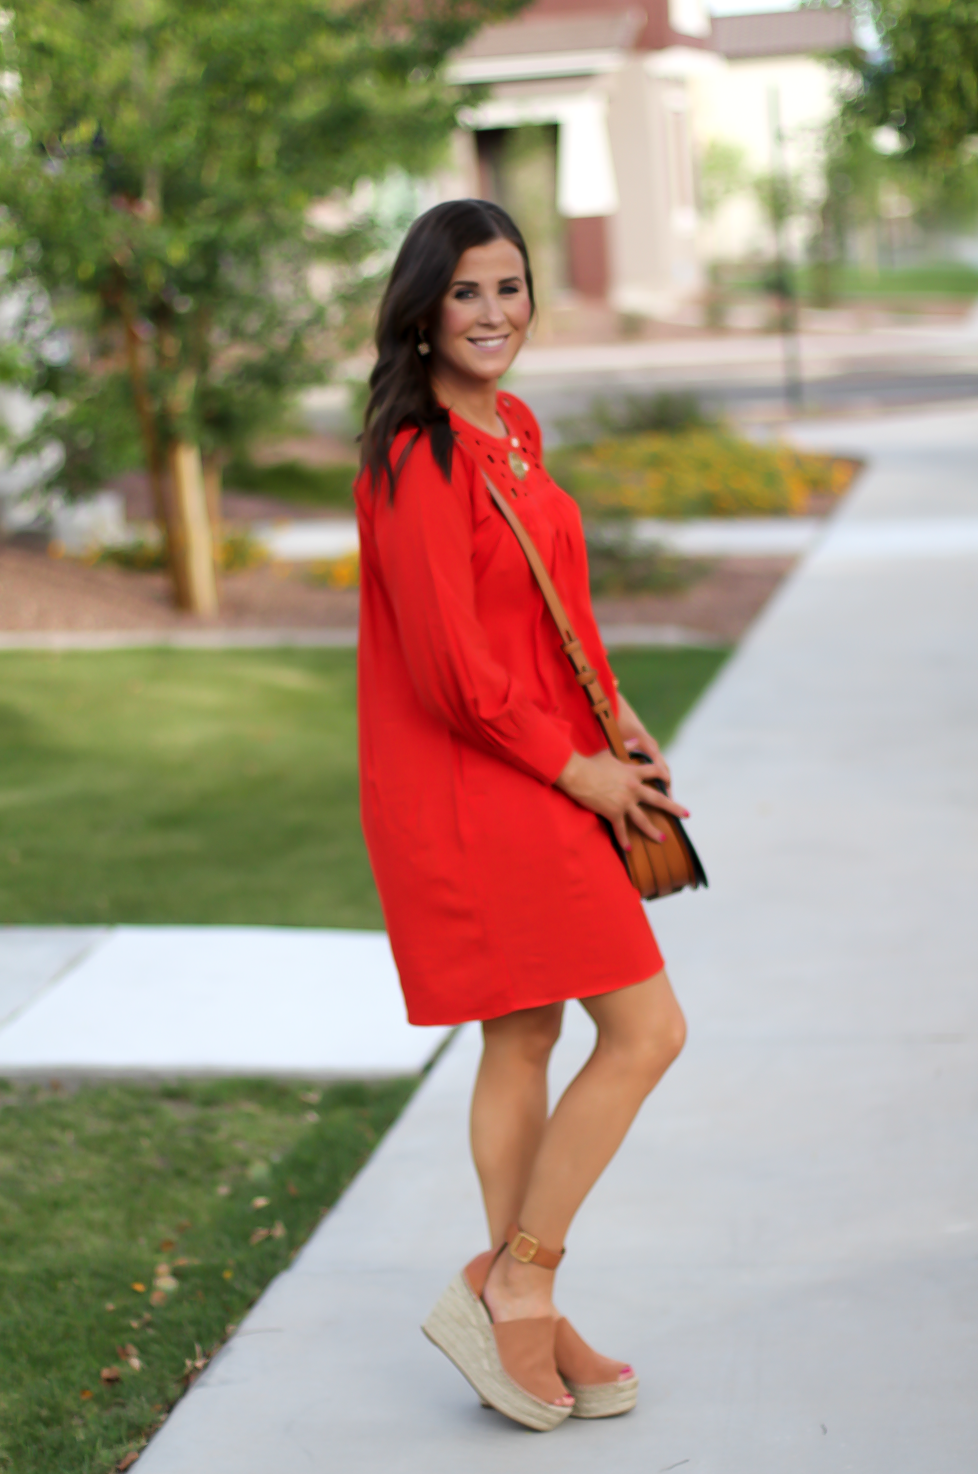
[[295, 481], [237, 551], [698, 472], [337, 573], [618, 568]]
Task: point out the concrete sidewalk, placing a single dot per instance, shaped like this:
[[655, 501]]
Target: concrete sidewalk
[[152, 1001], [786, 1245]]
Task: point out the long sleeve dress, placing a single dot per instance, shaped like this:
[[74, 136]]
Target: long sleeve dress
[[499, 892]]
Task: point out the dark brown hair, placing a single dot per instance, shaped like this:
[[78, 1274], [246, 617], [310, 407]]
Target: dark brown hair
[[400, 385]]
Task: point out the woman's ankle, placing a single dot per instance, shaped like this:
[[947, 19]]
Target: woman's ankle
[[515, 1291]]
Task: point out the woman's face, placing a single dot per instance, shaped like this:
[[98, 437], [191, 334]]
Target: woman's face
[[484, 314]]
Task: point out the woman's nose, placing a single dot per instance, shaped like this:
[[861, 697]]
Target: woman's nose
[[492, 311]]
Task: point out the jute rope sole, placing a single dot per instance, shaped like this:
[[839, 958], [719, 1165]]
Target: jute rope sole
[[605, 1400], [460, 1326]]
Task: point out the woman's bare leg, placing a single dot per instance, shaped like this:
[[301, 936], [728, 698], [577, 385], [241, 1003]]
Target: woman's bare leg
[[640, 1032], [509, 1108]]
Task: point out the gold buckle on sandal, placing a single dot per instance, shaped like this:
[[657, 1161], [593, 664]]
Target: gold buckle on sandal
[[523, 1255]]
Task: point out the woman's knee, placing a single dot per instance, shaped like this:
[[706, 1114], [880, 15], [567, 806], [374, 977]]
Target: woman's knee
[[646, 1052], [527, 1036]]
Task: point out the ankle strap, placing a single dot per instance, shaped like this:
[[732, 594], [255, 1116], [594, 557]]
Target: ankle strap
[[529, 1250]]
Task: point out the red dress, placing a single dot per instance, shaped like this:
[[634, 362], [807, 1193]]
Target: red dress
[[499, 892]]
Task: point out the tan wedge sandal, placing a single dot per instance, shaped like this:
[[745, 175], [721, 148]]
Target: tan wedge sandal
[[600, 1389], [511, 1364]]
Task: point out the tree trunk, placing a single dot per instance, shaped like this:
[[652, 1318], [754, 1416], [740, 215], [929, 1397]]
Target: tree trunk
[[165, 505], [191, 544], [212, 496]]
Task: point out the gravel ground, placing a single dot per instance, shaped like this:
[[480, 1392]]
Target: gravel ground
[[38, 592]]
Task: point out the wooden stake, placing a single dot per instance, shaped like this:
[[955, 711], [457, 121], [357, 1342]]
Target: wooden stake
[[192, 547]]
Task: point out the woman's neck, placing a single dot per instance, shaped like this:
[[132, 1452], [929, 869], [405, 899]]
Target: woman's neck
[[475, 400]]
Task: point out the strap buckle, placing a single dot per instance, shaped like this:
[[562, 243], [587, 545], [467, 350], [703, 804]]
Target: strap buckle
[[516, 1247]]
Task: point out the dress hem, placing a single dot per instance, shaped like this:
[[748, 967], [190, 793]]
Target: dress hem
[[538, 1002]]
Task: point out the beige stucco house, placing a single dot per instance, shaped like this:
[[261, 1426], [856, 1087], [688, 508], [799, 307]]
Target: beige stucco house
[[595, 120]]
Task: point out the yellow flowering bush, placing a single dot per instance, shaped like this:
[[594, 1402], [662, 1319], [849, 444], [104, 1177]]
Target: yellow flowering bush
[[337, 573], [697, 472]]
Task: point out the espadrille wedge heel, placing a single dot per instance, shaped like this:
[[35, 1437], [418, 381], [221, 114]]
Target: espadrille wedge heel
[[511, 1364]]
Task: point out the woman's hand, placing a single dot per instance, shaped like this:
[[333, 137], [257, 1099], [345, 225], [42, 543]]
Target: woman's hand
[[617, 791], [638, 739]]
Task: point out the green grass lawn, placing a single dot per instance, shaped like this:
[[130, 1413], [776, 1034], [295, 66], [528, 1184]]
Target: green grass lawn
[[850, 282], [935, 278], [127, 1220], [209, 786]]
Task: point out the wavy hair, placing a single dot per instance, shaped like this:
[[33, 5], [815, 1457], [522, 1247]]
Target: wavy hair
[[400, 385]]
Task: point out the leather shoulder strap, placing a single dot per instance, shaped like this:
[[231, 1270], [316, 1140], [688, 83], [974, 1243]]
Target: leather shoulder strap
[[586, 675]]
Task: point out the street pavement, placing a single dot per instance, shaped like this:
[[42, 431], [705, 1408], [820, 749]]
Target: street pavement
[[844, 368], [744, 375], [785, 1247]]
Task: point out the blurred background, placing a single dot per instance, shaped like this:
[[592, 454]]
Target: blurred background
[[770, 213]]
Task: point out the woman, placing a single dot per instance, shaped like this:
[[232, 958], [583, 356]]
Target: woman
[[484, 782]]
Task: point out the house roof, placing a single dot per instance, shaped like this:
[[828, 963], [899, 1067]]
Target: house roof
[[582, 27], [783, 32], [608, 30]]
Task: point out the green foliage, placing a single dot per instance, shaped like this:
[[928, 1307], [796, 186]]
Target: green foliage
[[295, 481], [91, 415], [104, 1188], [665, 412], [158, 161], [699, 472], [204, 786], [926, 84], [236, 552], [143, 555], [723, 171], [617, 567]]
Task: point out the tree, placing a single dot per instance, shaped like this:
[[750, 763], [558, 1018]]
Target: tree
[[924, 83], [158, 159]]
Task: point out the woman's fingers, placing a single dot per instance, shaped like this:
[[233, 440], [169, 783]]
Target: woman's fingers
[[621, 832], [657, 800], [644, 823], [657, 767]]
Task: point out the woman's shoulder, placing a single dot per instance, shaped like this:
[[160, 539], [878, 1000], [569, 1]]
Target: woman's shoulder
[[415, 465]]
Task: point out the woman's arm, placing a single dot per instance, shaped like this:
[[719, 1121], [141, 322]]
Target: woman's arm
[[423, 540]]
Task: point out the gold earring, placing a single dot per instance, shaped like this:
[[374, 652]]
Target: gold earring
[[424, 347]]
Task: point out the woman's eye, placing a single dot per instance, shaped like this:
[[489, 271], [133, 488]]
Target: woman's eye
[[463, 294], [510, 290]]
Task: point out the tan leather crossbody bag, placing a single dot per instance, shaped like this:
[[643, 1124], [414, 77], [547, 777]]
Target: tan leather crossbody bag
[[655, 868]]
